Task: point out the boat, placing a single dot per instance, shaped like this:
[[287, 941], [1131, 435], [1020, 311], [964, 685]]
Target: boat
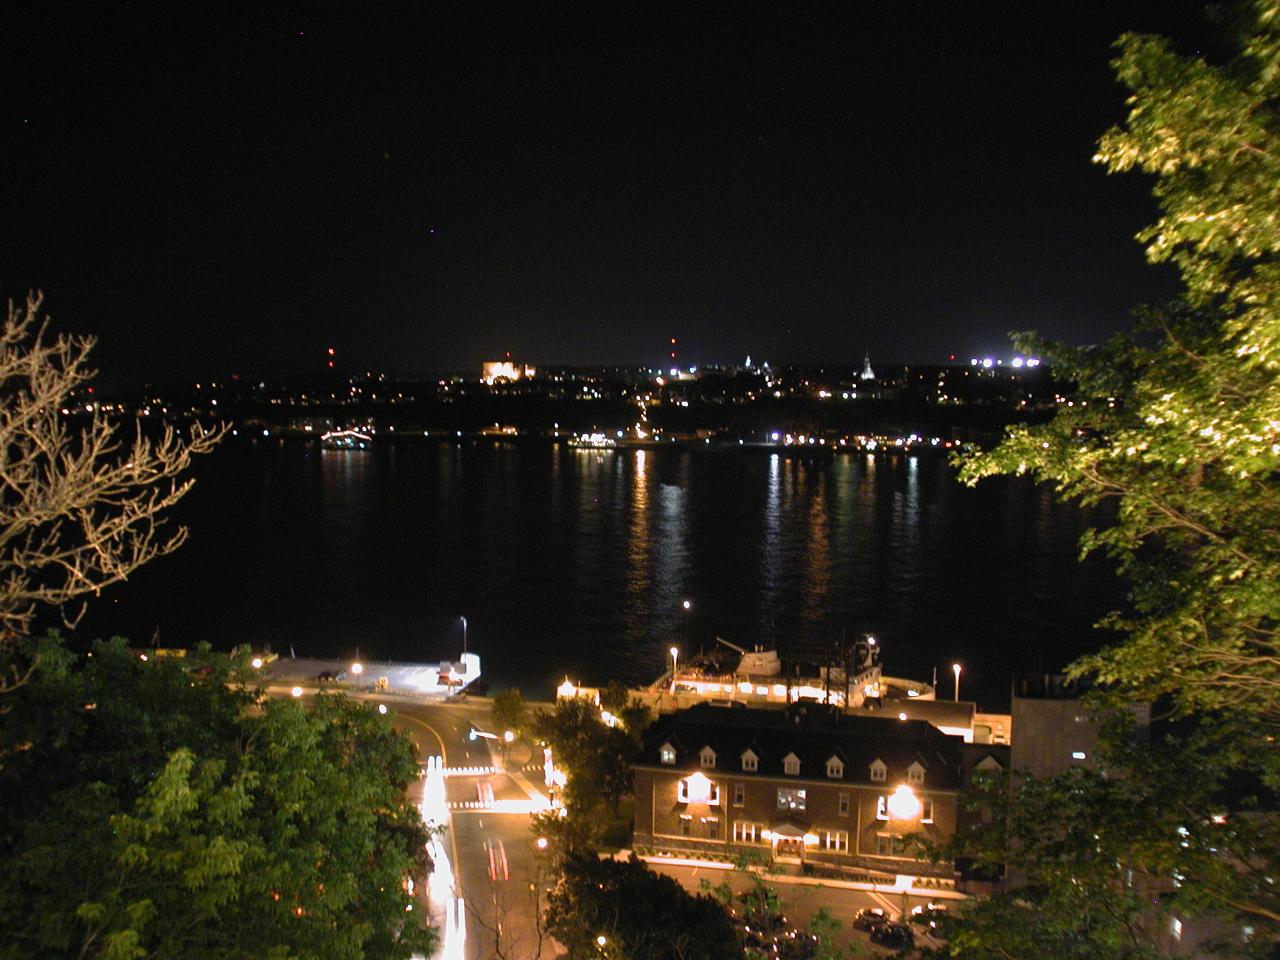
[[345, 440]]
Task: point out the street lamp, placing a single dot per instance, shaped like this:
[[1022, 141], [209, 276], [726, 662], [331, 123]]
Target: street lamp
[[357, 668], [688, 604], [675, 656], [956, 669], [464, 633]]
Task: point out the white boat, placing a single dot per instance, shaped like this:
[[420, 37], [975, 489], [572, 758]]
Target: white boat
[[345, 440]]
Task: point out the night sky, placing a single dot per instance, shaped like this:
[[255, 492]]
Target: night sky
[[428, 186]]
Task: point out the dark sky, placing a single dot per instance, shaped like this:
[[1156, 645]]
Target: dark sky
[[427, 186]]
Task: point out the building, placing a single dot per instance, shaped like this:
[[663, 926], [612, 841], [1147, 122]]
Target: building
[[804, 785], [1055, 728], [504, 371]]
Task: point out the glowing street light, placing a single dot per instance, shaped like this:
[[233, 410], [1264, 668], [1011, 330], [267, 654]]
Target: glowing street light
[[296, 691], [688, 604], [675, 656], [256, 663], [541, 843], [601, 940], [955, 667], [357, 668], [508, 736]]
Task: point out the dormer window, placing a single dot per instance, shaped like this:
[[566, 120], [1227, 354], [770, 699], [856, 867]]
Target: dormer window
[[750, 762], [707, 757], [915, 773], [791, 765], [835, 768], [667, 754], [879, 772], [988, 764]]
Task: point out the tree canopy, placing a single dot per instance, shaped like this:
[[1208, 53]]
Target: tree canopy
[[1177, 424], [154, 811]]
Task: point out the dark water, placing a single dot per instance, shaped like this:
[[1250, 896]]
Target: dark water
[[570, 561]]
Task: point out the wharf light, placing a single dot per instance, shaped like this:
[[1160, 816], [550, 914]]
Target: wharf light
[[567, 689], [955, 667], [904, 804], [296, 691], [357, 668]]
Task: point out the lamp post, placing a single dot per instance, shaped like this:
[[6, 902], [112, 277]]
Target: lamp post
[[956, 669], [675, 656], [464, 634]]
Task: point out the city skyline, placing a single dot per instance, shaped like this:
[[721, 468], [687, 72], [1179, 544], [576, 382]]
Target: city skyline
[[430, 189]]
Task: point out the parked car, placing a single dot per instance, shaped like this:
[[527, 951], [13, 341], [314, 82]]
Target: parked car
[[895, 936], [868, 918]]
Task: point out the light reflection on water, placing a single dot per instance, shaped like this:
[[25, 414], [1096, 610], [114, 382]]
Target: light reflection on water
[[577, 560]]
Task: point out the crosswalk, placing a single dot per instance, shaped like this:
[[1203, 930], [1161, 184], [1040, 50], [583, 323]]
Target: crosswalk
[[470, 771]]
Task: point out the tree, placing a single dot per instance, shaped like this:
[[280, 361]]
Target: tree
[[1176, 427], [641, 915], [596, 757], [80, 508], [1178, 424], [508, 711], [152, 811]]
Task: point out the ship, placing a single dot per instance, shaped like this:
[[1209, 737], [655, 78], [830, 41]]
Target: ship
[[345, 440]]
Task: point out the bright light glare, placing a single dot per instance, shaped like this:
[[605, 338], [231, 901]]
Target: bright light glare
[[904, 804], [382, 708], [357, 668], [257, 663], [296, 691]]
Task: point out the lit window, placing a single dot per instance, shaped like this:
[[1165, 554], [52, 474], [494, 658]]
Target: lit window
[[789, 798], [836, 841], [879, 772], [915, 774], [890, 845], [1175, 927], [667, 753], [844, 804], [926, 810], [739, 794], [835, 768], [750, 762], [686, 825], [747, 832], [707, 757], [791, 765], [882, 808], [713, 828]]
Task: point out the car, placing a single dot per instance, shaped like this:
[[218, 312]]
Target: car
[[927, 916], [896, 936], [868, 918]]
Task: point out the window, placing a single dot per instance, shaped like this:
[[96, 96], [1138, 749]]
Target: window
[[739, 794], [707, 757], [750, 762], [667, 753], [746, 832], [1175, 927], [915, 774], [686, 825], [789, 798], [890, 845], [844, 804], [791, 765], [698, 789], [926, 810], [882, 807], [835, 768], [879, 772], [713, 828], [836, 841]]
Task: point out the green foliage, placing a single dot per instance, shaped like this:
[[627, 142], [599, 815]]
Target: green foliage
[[154, 811], [1103, 857], [597, 759], [1178, 426], [508, 711], [641, 914]]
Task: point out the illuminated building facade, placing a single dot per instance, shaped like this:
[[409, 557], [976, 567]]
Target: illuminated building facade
[[804, 785], [500, 371]]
